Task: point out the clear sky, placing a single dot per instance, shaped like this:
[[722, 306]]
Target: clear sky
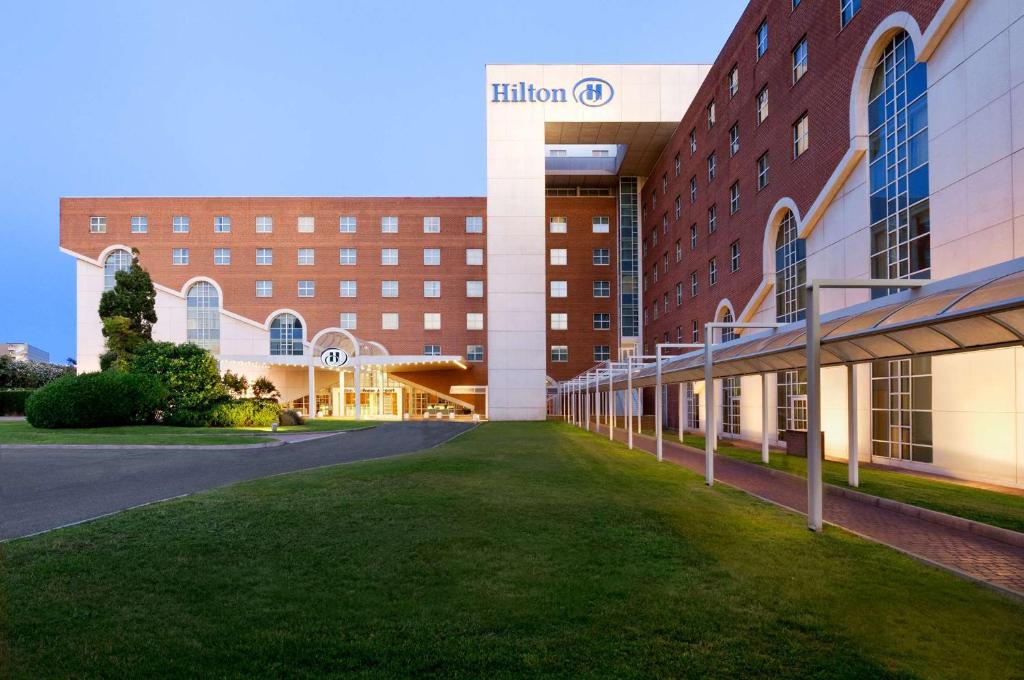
[[270, 98]]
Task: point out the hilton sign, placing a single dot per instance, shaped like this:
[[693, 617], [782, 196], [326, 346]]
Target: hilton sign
[[588, 92]]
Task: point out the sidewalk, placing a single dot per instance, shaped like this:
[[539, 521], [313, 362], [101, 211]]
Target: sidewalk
[[982, 559]]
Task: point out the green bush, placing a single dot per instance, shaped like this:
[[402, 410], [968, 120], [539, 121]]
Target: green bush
[[96, 400], [290, 417], [245, 413], [29, 374], [12, 402], [190, 375]]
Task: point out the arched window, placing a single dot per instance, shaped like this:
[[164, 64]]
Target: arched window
[[203, 316], [286, 335], [790, 272], [117, 261], [898, 170], [727, 333]]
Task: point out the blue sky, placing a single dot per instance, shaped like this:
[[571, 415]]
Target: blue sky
[[282, 98]]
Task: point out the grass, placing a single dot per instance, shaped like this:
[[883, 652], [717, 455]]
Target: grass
[[20, 432], [516, 549]]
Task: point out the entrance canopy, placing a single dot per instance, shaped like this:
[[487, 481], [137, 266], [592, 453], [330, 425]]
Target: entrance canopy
[[983, 309]]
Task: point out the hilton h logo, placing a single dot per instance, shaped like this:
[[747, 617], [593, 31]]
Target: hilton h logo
[[588, 92], [593, 92]]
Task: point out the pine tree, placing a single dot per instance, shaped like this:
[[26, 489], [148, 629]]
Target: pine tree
[[128, 311]]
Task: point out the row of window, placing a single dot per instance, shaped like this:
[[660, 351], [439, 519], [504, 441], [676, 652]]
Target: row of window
[[560, 256], [560, 353], [347, 224], [349, 289], [560, 225], [560, 289], [602, 321], [734, 265], [346, 256]]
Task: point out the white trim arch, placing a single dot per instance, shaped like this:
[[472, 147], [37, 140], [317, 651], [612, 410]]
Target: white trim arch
[[353, 339], [196, 279], [771, 232], [286, 310], [105, 253]]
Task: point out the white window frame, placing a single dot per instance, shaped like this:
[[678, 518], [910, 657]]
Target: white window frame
[[474, 289], [559, 321], [389, 224], [348, 288], [348, 321], [431, 321], [432, 257], [179, 256], [389, 257], [389, 321], [222, 224], [307, 288], [432, 224], [343, 255], [558, 257], [347, 224], [140, 224], [264, 256], [264, 288], [474, 224], [558, 225], [389, 288], [97, 224], [474, 321], [431, 289], [600, 224], [474, 257], [180, 224], [221, 256], [559, 289], [306, 257], [306, 224], [264, 224]]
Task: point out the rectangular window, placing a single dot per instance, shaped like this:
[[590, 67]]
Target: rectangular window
[[348, 321], [474, 257], [712, 219], [800, 59], [389, 289], [693, 237], [347, 256], [474, 224], [601, 256], [679, 250], [431, 289], [694, 332], [712, 167], [431, 225], [602, 289], [710, 114], [347, 224], [389, 321], [306, 256], [558, 225], [559, 321], [761, 38], [664, 182], [602, 353], [222, 256], [901, 409], [800, 132], [664, 302], [734, 256], [558, 256], [678, 165], [693, 189], [559, 353], [307, 289], [432, 257], [179, 256], [847, 9], [431, 321], [180, 224], [762, 171], [432, 350], [97, 225], [264, 256], [713, 271], [307, 224], [602, 321], [474, 321], [140, 224], [559, 289], [474, 289], [731, 405], [474, 352], [678, 208], [693, 141], [733, 81], [679, 294], [734, 139], [264, 289], [734, 198], [599, 225], [221, 224], [348, 289], [389, 257], [389, 224], [264, 224], [762, 104]]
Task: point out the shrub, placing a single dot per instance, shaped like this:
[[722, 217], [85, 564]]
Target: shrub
[[237, 385], [12, 402], [245, 413], [29, 374], [190, 375], [263, 388], [290, 417], [96, 400]]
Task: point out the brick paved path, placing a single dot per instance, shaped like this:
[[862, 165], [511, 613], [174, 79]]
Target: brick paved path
[[993, 562]]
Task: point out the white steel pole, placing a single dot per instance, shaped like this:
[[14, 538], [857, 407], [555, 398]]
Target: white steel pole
[[312, 389], [814, 485], [611, 405], [709, 411], [679, 417], [629, 402], [764, 419], [853, 471], [657, 400]]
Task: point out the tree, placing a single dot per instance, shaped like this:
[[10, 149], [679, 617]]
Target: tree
[[191, 376], [237, 385], [128, 311], [262, 388], [122, 342]]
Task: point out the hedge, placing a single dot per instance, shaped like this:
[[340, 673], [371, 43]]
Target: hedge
[[190, 375], [245, 413], [12, 402], [96, 400]]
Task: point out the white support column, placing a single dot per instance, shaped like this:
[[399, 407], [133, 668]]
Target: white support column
[[611, 405], [679, 417], [657, 401], [853, 471], [341, 395], [709, 410], [814, 482], [629, 402], [765, 419], [357, 385], [312, 390], [640, 410]]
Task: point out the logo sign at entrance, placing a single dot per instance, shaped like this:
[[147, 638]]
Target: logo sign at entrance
[[332, 357], [588, 92], [593, 92]]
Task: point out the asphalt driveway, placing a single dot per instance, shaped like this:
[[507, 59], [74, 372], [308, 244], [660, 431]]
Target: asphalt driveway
[[45, 488]]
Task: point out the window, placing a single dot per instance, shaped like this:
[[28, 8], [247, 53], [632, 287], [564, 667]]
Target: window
[[432, 350], [306, 256], [734, 256], [800, 136], [762, 104], [389, 289], [678, 165], [761, 38], [664, 223], [654, 273], [474, 256], [602, 289], [474, 224], [693, 189], [432, 256], [389, 257], [431, 225], [348, 321], [602, 353], [664, 302], [117, 261], [734, 139], [389, 321], [559, 289], [264, 289], [475, 289], [474, 321], [694, 331], [679, 294], [712, 166], [693, 237], [97, 225], [558, 225], [679, 250], [179, 256], [180, 224], [558, 256], [800, 59], [307, 289], [285, 336], [601, 256], [202, 316], [140, 224], [347, 256], [559, 321], [898, 165], [558, 153], [762, 171], [847, 8], [389, 224], [693, 284], [222, 256], [264, 256], [221, 225], [791, 400], [664, 183], [348, 289], [712, 219], [347, 224], [693, 141], [710, 112], [664, 262], [732, 82], [731, 406], [431, 321], [602, 321], [692, 407], [306, 224], [713, 271], [790, 272], [901, 409], [474, 352], [559, 353], [264, 224], [734, 198], [678, 208], [599, 225], [431, 289]]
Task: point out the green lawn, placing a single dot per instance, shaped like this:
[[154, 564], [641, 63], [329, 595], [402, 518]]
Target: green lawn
[[516, 549]]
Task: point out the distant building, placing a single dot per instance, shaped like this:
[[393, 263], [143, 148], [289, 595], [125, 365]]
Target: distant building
[[22, 351]]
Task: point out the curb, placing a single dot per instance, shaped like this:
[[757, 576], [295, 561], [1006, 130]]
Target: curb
[[191, 447]]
